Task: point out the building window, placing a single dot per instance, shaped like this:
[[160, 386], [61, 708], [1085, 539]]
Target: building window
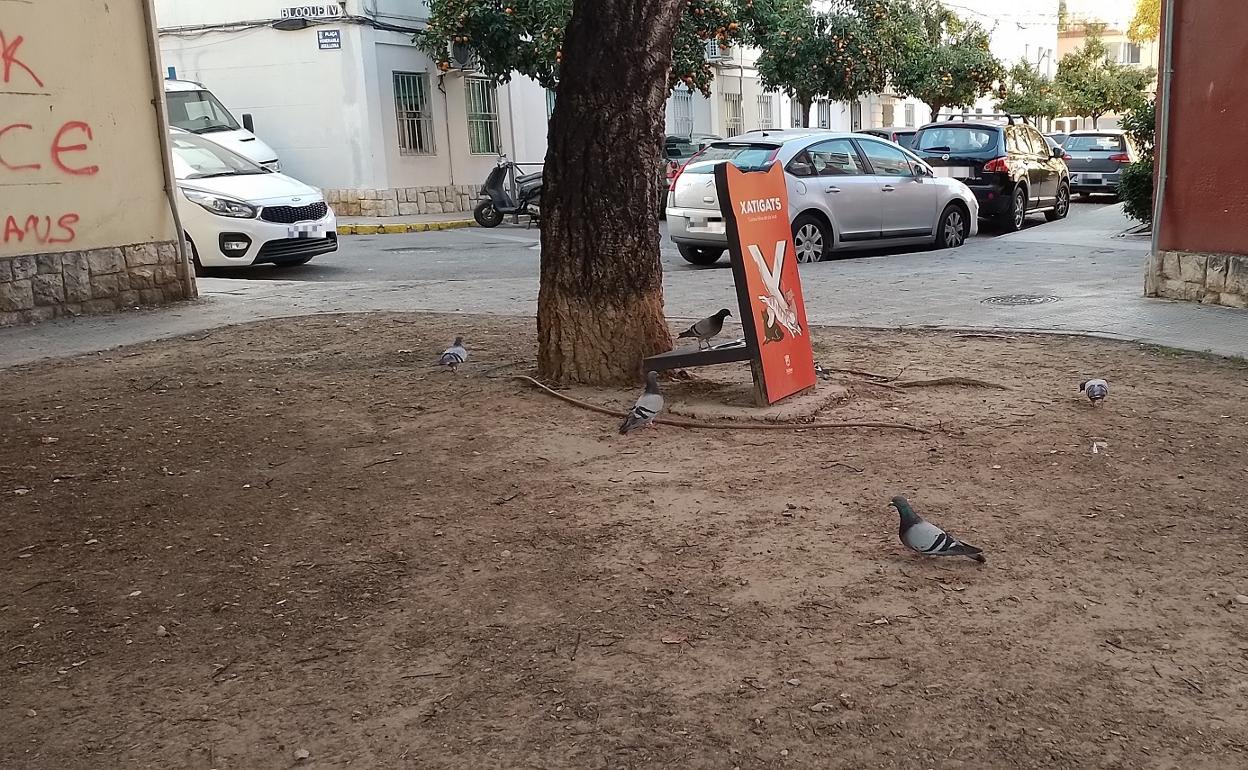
[[825, 113], [1131, 53], [766, 118], [734, 118], [889, 114], [909, 114], [795, 108], [550, 103], [682, 112], [411, 108], [483, 130]]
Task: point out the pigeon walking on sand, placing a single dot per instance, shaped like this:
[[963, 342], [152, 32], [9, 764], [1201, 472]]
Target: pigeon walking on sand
[[1096, 390], [706, 329], [926, 538], [455, 355], [647, 407]]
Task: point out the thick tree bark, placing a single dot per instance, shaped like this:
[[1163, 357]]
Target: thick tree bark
[[805, 103], [600, 307]]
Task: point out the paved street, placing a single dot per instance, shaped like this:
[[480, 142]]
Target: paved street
[[1077, 275], [507, 252]]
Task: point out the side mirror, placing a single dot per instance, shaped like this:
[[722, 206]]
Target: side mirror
[[1058, 152], [922, 171], [248, 123]]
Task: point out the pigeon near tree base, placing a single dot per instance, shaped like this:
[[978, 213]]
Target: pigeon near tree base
[[706, 329], [647, 408], [927, 539]]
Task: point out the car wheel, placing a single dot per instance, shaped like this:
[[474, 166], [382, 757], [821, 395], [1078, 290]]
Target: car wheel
[[812, 238], [953, 228], [1061, 207], [698, 255], [1013, 220], [486, 215]]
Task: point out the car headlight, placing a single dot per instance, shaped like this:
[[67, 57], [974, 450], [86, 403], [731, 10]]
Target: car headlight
[[217, 204]]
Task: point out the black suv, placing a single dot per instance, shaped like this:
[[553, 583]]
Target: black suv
[[1009, 166]]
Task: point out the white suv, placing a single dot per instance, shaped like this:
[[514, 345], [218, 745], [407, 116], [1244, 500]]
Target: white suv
[[846, 191]]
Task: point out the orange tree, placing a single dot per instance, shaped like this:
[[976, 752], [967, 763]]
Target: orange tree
[[943, 60], [613, 64]]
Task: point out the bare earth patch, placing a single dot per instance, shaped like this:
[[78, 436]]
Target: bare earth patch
[[297, 537]]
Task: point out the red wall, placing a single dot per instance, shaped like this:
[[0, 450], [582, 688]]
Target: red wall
[[1206, 201]]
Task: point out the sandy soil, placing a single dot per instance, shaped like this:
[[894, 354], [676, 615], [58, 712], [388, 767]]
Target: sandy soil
[[297, 537]]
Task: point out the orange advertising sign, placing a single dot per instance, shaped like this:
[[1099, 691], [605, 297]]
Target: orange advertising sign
[[756, 215]]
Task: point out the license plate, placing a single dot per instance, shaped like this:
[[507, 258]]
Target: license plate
[[953, 172], [1091, 178], [305, 231]]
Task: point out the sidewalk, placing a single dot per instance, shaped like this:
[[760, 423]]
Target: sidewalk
[[415, 223], [1091, 280]]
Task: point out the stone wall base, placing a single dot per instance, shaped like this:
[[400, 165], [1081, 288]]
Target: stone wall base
[[1212, 279], [39, 287], [403, 201]]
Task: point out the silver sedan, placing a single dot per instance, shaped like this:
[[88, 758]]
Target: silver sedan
[[846, 192]]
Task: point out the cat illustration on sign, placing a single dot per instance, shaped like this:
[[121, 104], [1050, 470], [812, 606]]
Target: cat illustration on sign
[[781, 305]]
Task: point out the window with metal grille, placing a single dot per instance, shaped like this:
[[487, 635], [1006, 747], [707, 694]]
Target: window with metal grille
[[734, 119], [766, 119], [483, 128], [411, 109], [889, 114], [909, 114], [682, 112], [795, 109], [825, 113]]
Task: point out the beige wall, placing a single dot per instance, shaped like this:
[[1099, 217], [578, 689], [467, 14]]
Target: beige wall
[[80, 73]]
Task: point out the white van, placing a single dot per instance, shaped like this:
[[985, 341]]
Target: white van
[[193, 108]]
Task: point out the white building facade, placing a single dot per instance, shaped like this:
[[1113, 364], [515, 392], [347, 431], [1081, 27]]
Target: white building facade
[[350, 104]]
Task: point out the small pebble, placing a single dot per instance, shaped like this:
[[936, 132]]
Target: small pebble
[[32, 713], [505, 554], [1241, 599], [301, 755], [794, 682], [162, 631]]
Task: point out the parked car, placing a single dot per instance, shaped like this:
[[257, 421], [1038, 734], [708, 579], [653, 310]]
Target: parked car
[[677, 150], [1059, 138], [192, 107], [902, 135], [1010, 166], [846, 192], [236, 212], [1096, 159]]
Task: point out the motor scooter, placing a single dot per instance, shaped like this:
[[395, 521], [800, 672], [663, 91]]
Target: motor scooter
[[507, 192]]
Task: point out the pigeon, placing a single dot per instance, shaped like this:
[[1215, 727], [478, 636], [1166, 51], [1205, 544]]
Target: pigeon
[[928, 539], [455, 355], [1096, 390], [707, 328], [647, 407]]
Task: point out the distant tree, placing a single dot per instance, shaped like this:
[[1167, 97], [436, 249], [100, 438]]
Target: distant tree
[[841, 52], [1027, 91], [1136, 184], [943, 60], [1146, 24], [1091, 86]]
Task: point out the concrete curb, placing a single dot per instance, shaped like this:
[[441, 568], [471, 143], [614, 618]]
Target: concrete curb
[[408, 227]]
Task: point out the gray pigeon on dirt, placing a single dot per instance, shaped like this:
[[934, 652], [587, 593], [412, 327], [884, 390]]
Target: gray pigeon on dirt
[[706, 329], [455, 355], [1096, 390], [926, 538], [648, 406]]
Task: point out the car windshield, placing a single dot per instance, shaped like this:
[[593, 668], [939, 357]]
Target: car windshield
[[956, 139], [197, 158], [1100, 143], [740, 155], [198, 112]]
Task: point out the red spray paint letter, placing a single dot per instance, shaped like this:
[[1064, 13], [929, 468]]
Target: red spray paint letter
[[8, 57], [27, 166], [58, 148]]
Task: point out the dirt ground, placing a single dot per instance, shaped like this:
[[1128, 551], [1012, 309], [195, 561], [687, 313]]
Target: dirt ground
[[228, 550]]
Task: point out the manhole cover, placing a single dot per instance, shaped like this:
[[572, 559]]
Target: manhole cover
[[1020, 299]]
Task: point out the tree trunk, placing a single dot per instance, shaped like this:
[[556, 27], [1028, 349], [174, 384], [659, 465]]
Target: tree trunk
[[805, 104], [935, 109], [600, 306], [1096, 119]]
